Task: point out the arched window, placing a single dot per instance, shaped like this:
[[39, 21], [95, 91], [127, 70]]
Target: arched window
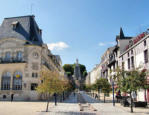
[[7, 56], [17, 81], [19, 56], [5, 83]]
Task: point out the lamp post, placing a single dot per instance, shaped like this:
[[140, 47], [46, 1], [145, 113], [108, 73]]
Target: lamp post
[[99, 90], [113, 92]]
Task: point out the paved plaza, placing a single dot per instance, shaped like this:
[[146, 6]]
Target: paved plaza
[[68, 107]]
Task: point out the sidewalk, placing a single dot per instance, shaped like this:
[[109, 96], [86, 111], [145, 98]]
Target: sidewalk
[[104, 106], [88, 98], [71, 99], [137, 110], [67, 107]]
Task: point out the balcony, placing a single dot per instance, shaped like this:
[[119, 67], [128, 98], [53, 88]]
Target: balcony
[[11, 60], [47, 65], [111, 60]]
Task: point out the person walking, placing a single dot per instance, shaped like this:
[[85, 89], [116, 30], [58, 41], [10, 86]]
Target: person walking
[[55, 98], [12, 95]]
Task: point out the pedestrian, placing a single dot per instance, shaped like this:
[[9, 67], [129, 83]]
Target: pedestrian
[[55, 98], [12, 95]]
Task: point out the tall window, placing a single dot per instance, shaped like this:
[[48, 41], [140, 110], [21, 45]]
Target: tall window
[[144, 42], [34, 74], [17, 81], [19, 55], [5, 83], [122, 57], [131, 51], [146, 56], [128, 63], [132, 62], [7, 56], [34, 86]]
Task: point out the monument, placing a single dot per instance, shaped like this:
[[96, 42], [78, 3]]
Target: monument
[[77, 75]]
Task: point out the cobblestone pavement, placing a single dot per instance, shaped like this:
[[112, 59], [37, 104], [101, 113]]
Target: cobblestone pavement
[[68, 107]]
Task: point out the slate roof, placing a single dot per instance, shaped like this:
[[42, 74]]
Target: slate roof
[[123, 40], [26, 29], [122, 36]]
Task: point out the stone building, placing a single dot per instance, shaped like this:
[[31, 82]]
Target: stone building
[[116, 51], [136, 55], [22, 56], [93, 75]]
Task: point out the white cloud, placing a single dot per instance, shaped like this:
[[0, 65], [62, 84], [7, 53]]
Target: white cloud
[[106, 43], [102, 44], [57, 46]]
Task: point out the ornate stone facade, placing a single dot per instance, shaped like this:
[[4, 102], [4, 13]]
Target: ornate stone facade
[[21, 59]]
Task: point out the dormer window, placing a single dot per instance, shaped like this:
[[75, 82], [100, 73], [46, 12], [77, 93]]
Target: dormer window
[[14, 25]]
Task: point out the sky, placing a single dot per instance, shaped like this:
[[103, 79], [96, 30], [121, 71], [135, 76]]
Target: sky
[[81, 29]]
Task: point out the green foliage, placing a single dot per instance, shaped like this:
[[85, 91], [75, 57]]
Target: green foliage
[[82, 69], [84, 73], [52, 83], [102, 84], [68, 74], [87, 88], [69, 69], [129, 81]]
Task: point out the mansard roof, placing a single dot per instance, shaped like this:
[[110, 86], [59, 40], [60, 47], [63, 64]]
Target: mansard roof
[[22, 27]]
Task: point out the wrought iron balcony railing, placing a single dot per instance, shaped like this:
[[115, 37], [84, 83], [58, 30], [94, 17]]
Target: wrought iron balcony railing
[[11, 60]]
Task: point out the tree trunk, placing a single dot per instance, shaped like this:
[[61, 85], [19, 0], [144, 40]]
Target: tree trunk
[[55, 99], [104, 97], [131, 105], [99, 96], [47, 104], [63, 96]]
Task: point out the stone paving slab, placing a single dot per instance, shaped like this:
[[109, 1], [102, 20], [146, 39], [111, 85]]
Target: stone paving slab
[[68, 107]]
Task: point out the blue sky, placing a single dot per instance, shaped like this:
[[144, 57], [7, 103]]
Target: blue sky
[[81, 29]]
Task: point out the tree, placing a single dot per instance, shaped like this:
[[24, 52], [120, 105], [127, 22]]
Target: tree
[[51, 83], [82, 69], [131, 81], [68, 69], [104, 85], [84, 74], [87, 88]]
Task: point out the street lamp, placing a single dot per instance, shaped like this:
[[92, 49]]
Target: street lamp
[[113, 73], [113, 92]]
